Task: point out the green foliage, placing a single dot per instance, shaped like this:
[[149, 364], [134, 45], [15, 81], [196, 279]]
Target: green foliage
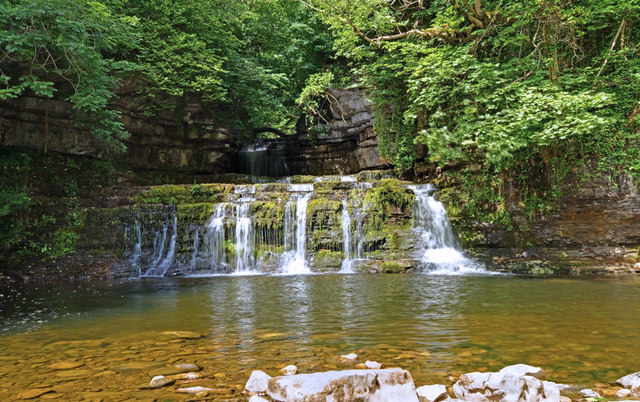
[[61, 47]]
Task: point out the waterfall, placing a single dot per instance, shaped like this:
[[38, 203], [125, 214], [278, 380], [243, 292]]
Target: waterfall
[[215, 238], [196, 245], [441, 252], [137, 248], [160, 266], [296, 231], [244, 239], [347, 263]]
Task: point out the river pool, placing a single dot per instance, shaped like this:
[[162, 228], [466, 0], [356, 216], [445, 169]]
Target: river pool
[[438, 327]]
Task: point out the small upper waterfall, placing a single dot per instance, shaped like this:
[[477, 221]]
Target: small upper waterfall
[[441, 252], [161, 264]]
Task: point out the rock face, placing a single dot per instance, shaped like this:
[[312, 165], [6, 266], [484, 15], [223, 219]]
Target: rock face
[[349, 385], [183, 135], [186, 134], [345, 144], [484, 387]]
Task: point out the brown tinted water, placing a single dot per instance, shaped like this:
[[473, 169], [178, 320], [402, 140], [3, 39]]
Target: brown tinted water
[[438, 327]]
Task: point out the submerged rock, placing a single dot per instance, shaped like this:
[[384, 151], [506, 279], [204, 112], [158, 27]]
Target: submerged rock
[[175, 369], [65, 365], [34, 393], [194, 390], [183, 334], [631, 381], [258, 383], [348, 385], [482, 387], [187, 376], [160, 381], [289, 370], [432, 393]]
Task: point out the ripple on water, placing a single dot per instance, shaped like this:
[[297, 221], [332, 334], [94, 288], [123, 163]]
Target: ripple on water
[[434, 326]]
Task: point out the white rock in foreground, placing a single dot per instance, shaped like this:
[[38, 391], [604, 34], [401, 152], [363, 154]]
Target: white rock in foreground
[[623, 393], [258, 383], [372, 365], [289, 370], [256, 398], [431, 393], [631, 381], [524, 369], [484, 387], [366, 385]]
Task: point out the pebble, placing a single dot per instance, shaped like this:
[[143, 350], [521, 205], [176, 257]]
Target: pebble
[[65, 365], [589, 393], [187, 376], [183, 334], [622, 393], [349, 357], [372, 365], [160, 381], [194, 390], [289, 370]]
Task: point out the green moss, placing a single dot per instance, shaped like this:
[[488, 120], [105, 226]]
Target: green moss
[[323, 213], [327, 260], [171, 194], [194, 213], [267, 215], [386, 203], [300, 179], [395, 267]]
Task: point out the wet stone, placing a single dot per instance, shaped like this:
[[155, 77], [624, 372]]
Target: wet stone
[[65, 365], [194, 390], [159, 381], [34, 393], [183, 334]]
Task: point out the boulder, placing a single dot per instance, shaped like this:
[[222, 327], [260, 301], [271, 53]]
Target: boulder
[[432, 393], [623, 393], [256, 398], [631, 381], [348, 385], [258, 383], [484, 387], [372, 365]]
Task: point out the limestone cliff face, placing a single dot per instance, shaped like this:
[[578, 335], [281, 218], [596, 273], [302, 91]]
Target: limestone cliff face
[[345, 144], [187, 134], [184, 135]]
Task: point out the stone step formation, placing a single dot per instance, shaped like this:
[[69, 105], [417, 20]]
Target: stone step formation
[[295, 225]]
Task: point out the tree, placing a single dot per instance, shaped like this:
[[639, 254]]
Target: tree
[[61, 47]]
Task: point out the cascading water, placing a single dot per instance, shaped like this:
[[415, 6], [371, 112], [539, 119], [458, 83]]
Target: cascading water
[[295, 258], [347, 263], [265, 228], [442, 254], [244, 239], [215, 238], [160, 265]]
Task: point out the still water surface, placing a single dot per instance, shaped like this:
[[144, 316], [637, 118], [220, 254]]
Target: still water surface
[[580, 331]]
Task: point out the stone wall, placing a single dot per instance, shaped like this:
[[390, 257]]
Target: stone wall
[[188, 135], [184, 135], [345, 144]]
